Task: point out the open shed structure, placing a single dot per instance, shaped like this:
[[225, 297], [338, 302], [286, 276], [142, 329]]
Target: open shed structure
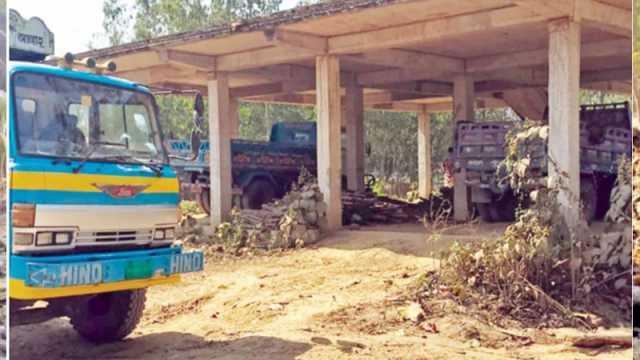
[[421, 56]]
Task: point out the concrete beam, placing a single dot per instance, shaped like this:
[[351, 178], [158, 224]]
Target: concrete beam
[[407, 60], [220, 148], [564, 113], [317, 44], [605, 17], [424, 31], [328, 143], [284, 73], [594, 13], [528, 102], [599, 49], [187, 59], [273, 55]]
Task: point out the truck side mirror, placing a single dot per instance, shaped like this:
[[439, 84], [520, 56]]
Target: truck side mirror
[[195, 144], [198, 111]]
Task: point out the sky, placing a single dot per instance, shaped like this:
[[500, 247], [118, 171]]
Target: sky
[[76, 30]]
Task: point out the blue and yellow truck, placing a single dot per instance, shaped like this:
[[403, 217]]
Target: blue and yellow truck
[[93, 202]]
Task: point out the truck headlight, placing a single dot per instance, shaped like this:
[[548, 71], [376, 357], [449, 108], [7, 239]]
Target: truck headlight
[[167, 233], [23, 239], [44, 239], [158, 234], [48, 238], [62, 238]]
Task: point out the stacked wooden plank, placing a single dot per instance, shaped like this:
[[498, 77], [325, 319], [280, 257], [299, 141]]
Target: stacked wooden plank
[[367, 209]]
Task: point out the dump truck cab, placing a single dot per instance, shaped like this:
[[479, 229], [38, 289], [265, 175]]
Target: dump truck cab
[[94, 204]]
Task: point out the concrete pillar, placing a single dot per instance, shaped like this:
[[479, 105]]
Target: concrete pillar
[[234, 118], [329, 143], [220, 148], [424, 154], [354, 120], [463, 98], [463, 109], [564, 112]]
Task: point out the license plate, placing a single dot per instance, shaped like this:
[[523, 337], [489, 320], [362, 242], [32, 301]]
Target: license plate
[[109, 271]]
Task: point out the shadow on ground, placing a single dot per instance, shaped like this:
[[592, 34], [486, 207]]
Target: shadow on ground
[[62, 342]]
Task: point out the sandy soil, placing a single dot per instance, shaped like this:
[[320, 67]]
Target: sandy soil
[[338, 300]]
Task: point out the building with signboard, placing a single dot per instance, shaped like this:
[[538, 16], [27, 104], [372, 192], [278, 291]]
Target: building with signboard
[[30, 39]]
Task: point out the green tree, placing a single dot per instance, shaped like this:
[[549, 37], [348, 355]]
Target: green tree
[[116, 21], [161, 17], [153, 18]]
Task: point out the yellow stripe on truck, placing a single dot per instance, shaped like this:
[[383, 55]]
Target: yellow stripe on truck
[[19, 291], [84, 182]]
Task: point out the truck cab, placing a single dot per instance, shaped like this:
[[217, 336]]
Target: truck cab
[[93, 201]]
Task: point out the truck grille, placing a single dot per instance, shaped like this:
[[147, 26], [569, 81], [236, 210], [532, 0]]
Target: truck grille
[[123, 236]]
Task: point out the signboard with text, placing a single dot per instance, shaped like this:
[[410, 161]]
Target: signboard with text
[[30, 39]]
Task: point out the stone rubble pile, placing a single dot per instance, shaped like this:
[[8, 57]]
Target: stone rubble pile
[[299, 219], [293, 221]]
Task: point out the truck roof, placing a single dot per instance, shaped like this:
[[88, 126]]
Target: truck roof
[[16, 66]]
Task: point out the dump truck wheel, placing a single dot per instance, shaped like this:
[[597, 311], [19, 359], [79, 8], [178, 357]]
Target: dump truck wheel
[[485, 212], [204, 201], [108, 317], [588, 198], [259, 192], [506, 207]]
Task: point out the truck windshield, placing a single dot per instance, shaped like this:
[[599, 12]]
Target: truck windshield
[[66, 118]]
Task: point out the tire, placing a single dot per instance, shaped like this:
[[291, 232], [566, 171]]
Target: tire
[[204, 201], [108, 317], [259, 192], [588, 198], [506, 207], [485, 211]]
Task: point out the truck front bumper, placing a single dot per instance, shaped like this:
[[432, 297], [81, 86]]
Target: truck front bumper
[[45, 277]]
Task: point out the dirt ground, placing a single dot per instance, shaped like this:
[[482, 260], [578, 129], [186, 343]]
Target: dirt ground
[[337, 300]]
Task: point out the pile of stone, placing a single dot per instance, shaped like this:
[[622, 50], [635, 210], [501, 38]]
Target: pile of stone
[[611, 257], [295, 220]]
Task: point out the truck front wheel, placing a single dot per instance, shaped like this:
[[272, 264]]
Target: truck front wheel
[[259, 192], [487, 212], [589, 198], [203, 200], [108, 317]]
